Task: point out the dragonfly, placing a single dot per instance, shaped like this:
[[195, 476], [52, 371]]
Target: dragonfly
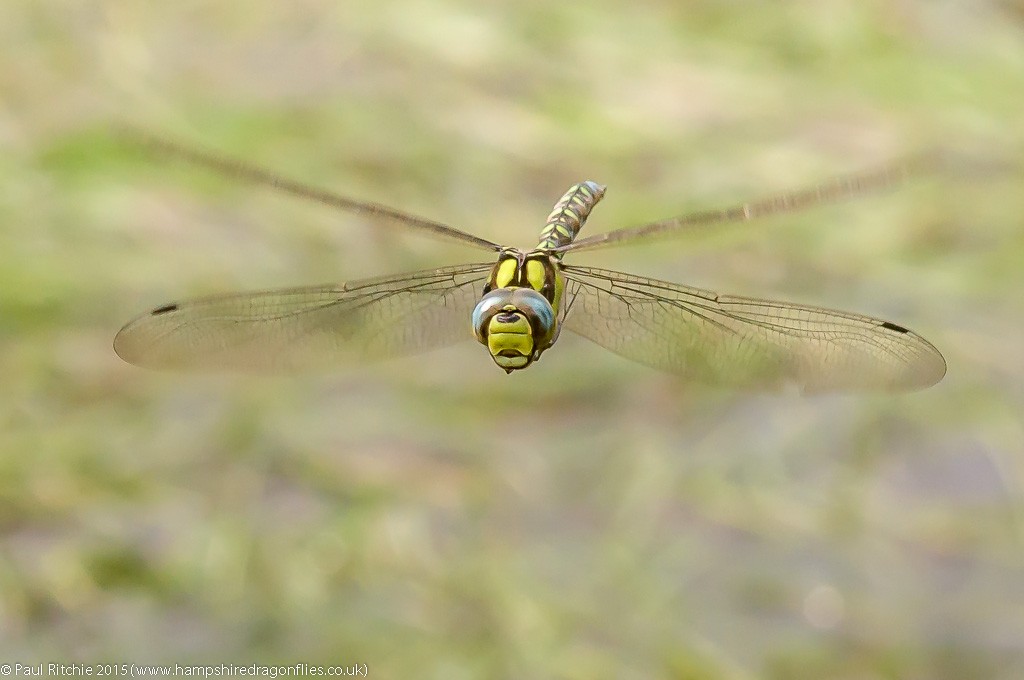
[[517, 302]]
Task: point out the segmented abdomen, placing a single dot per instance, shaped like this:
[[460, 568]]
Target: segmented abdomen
[[569, 215]]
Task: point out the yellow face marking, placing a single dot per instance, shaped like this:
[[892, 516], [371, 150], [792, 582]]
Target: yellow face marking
[[510, 342], [510, 363], [498, 343], [518, 327]]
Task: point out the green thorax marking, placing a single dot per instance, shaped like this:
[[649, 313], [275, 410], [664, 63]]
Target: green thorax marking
[[536, 269], [569, 214]]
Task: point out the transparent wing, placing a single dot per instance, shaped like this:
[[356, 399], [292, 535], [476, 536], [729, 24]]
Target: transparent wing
[[311, 326], [251, 173], [740, 341], [884, 178]]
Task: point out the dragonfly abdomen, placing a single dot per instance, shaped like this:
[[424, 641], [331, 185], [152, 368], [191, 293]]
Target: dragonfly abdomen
[[569, 215]]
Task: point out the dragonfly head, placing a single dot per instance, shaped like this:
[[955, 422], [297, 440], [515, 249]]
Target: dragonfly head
[[516, 324]]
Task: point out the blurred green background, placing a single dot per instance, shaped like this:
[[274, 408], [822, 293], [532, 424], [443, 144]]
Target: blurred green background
[[433, 517]]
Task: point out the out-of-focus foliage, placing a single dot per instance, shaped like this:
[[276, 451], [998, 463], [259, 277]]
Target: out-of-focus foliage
[[433, 517]]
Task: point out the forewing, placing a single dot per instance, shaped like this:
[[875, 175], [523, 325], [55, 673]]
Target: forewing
[[309, 327], [746, 342], [844, 187], [241, 170]]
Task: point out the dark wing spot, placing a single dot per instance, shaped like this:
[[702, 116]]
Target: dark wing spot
[[894, 327], [163, 310]]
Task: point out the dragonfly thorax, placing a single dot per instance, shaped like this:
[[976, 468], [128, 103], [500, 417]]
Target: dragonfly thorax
[[524, 299], [517, 317]]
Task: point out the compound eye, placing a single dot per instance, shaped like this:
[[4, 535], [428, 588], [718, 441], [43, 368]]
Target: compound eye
[[538, 311], [531, 304], [489, 305]]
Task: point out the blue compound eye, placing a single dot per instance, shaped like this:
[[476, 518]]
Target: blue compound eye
[[489, 305], [526, 301], [538, 310]]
